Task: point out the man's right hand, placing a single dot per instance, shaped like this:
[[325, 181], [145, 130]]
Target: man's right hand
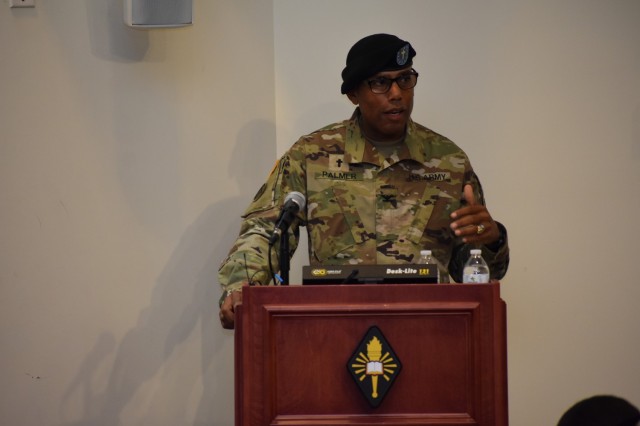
[[228, 309]]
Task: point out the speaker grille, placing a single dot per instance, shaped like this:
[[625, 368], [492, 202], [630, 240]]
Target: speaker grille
[[161, 12]]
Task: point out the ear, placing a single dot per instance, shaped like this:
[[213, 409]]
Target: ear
[[353, 97]]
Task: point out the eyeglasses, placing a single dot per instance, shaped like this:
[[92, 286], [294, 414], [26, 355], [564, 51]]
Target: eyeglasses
[[381, 85]]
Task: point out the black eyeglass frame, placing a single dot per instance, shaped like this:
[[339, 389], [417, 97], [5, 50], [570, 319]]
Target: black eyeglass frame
[[397, 80]]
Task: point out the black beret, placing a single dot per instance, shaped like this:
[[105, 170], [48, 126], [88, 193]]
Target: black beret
[[372, 54]]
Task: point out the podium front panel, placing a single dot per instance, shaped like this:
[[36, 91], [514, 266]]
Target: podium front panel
[[294, 345]]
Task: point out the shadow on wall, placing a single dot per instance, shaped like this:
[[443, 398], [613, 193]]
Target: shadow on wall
[[130, 113], [125, 45], [172, 355], [635, 149], [161, 345], [146, 138]]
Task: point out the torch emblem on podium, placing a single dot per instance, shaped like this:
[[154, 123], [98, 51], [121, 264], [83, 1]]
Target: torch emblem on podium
[[374, 366]]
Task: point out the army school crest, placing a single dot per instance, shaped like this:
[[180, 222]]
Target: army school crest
[[374, 366]]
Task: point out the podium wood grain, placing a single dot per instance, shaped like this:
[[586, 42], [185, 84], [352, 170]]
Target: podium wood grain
[[293, 344]]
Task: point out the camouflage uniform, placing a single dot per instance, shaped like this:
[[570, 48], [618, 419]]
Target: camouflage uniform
[[362, 208]]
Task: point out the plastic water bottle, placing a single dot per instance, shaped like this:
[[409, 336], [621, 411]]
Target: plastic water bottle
[[475, 270], [426, 258]]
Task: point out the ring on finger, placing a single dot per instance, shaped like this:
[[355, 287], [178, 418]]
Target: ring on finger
[[481, 229]]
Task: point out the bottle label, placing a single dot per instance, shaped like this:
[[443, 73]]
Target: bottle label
[[475, 278]]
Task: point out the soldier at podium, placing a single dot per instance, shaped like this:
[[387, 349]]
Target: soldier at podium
[[379, 187]]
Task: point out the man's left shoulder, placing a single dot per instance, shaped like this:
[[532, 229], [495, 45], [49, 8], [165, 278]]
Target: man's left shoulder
[[436, 142], [423, 132]]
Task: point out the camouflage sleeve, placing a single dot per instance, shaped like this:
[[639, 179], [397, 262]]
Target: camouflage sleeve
[[248, 259], [496, 255]]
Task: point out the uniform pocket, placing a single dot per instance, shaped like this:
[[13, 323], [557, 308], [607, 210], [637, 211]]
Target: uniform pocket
[[334, 224], [432, 216]]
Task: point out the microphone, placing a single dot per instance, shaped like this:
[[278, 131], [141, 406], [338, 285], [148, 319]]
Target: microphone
[[293, 203]]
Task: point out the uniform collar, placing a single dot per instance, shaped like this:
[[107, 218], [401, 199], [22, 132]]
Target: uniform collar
[[358, 150]]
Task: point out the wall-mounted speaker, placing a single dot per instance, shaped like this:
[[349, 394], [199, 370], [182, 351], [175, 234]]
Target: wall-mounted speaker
[[158, 13]]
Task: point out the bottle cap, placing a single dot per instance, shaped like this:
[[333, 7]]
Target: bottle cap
[[475, 251], [425, 252]]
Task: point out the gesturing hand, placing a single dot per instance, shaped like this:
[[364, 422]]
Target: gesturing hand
[[473, 222]]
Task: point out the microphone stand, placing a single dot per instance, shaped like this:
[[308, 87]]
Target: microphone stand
[[284, 258]]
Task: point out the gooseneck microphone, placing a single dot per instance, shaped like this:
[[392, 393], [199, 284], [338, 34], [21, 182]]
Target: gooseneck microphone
[[293, 203]]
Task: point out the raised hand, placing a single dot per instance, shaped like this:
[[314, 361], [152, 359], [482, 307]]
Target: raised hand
[[473, 223]]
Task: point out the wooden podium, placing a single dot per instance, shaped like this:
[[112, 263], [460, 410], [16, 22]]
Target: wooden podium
[[294, 346]]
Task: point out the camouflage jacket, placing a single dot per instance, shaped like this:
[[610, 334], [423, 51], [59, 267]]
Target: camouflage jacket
[[362, 208]]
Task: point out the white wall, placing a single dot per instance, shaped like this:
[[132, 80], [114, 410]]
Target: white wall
[[126, 157], [545, 98]]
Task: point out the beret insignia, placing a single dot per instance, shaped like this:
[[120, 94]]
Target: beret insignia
[[403, 55]]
